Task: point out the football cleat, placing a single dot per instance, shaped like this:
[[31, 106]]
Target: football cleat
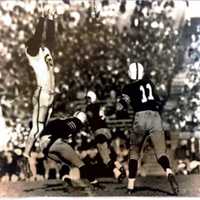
[[130, 191], [173, 183]]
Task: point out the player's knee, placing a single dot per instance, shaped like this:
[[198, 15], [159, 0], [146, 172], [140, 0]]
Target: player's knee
[[134, 156], [159, 152], [43, 114], [134, 153], [34, 131], [40, 126], [100, 139], [37, 129]]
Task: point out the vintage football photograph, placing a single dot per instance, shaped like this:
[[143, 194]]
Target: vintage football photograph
[[99, 98]]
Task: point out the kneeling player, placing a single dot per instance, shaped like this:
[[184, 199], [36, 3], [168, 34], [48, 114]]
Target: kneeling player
[[102, 135], [53, 142]]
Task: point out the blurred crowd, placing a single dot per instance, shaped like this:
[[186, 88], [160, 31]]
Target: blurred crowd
[[88, 54], [93, 50], [183, 105]]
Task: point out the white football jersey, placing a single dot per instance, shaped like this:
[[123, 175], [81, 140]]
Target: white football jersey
[[43, 67]]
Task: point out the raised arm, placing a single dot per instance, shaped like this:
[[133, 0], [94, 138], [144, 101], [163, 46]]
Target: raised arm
[[34, 43], [50, 34]]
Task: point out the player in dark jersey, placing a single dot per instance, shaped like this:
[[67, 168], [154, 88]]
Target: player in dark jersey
[[141, 95], [96, 120], [53, 143]]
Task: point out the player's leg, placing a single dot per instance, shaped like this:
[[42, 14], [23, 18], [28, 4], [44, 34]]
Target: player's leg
[[39, 117], [42, 119], [158, 141], [162, 158], [44, 111], [101, 137], [137, 139], [136, 144], [65, 153], [62, 151], [46, 106], [49, 112], [33, 168], [35, 126]]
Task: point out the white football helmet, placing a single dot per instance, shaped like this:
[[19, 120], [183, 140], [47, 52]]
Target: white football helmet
[[92, 96], [81, 116], [136, 71]]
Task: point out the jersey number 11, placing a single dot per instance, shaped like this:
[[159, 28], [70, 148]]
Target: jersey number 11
[[145, 98]]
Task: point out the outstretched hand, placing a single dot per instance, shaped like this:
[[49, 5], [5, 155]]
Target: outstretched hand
[[46, 10]]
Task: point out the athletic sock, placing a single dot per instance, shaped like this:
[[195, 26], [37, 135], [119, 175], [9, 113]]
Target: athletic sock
[[168, 171], [131, 183]]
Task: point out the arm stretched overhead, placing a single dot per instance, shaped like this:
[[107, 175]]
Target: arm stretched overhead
[[34, 43], [50, 34]]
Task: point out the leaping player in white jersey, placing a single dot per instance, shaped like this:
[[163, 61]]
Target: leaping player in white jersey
[[40, 59]]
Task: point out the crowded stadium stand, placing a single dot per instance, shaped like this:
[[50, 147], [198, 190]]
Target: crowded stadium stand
[[93, 50]]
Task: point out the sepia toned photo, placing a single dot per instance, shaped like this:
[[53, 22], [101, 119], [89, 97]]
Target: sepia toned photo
[[99, 98]]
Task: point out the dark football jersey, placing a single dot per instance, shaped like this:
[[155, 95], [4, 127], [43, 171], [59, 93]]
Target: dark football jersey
[[94, 118], [62, 128], [141, 95]]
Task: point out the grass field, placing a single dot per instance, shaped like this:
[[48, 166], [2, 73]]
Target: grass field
[[145, 186]]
